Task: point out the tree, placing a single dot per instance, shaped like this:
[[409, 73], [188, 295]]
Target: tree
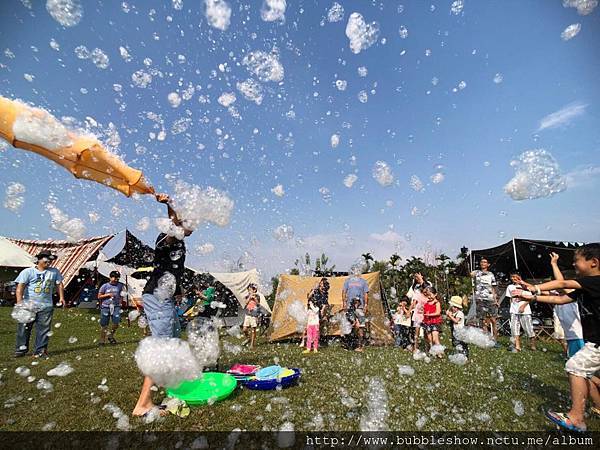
[[367, 257], [395, 259], [271, 297]]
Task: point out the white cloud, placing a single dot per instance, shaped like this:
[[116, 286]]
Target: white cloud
[[388, 236], [582, 177], [563, 116]]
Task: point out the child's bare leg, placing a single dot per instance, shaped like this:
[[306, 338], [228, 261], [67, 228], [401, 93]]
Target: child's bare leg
[[579, 393], [593, 390], [417, 335]]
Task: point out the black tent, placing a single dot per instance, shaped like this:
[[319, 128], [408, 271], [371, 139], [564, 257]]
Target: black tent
[[528, 256], [134, 253]]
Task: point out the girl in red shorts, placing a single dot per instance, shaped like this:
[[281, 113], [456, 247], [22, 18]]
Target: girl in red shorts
[[432, 317]]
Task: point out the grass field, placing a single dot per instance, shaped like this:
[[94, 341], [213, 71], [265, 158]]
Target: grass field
[[439, 396]]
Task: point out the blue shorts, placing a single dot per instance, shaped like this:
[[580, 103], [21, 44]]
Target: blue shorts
[[161, 316], [573, 346], [105, 316]]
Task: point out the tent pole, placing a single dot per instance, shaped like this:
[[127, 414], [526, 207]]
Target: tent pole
[[515, 254]]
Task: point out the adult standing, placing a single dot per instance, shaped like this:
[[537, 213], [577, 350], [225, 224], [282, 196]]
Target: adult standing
[[109, 297], [486, 298], [355, 287], [319, 296], [418, 300], [35, 288], [355, 298], [159, 294]]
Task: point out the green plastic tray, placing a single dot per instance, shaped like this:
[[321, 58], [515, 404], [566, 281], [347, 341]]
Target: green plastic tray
[[213, 386]]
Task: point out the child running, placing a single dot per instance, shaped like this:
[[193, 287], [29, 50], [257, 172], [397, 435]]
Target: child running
[[312, 327], [109, 297]]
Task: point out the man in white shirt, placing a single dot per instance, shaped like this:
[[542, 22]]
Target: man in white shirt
[[520, 314], [486, 299]]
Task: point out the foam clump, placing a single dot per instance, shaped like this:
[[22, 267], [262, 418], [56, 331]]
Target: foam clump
[[23, 371], [362, 35], [251, 90], [44, 385], [62, 370], [406, 370], [475, 336], [283, 232], [66, 12], [117, 413], [297, 311], [518, 407], [195, 206], [421, 356], [376, 414], [168, 361], [537, 176], [382, 173], [584, 7], [437, 349], [265, 66], [273, 10], [73, 228], [570, 32], [335, 13], [342, 321], [203, 338], [24, 312], [458, 358], [218, 14], [38, 127], [14, 196]]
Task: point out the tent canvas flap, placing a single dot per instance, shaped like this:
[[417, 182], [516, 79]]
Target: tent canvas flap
[[295, 289], [238, 283], [11, 255]]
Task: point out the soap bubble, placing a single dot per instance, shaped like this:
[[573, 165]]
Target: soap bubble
[[362, 35], [335, 13], [66, 12], [537, 176], [383, 173]]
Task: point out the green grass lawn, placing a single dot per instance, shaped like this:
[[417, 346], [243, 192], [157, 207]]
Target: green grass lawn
[[439, 396]]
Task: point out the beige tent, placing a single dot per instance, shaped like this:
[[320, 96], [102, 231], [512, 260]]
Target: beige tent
[[292, 293], [237, 282]]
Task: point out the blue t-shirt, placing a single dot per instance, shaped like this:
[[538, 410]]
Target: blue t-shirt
[[39, 286], [355, 287], [115, 291]]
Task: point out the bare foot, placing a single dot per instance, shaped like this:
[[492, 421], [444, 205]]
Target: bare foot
[[140, 410]]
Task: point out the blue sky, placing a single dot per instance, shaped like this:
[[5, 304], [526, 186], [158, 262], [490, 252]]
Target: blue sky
[[408, 122]]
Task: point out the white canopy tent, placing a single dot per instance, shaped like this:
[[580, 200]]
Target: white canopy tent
[[11, 255], [238, 283]]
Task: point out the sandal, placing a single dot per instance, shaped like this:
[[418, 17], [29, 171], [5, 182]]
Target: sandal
[[562, 420], [595, 411]]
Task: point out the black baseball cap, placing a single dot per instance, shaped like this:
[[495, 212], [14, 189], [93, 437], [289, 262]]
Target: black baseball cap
[[45, 254]]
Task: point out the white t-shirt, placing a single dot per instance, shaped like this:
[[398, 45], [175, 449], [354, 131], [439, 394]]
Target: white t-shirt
[[401, 319], [515, 303], [461, 319], [312, 315], [568, 315]]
